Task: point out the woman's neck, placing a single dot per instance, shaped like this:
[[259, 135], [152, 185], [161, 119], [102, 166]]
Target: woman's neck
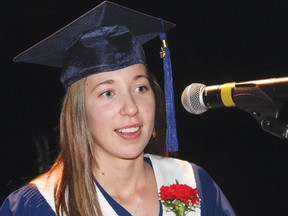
[[125, 174]]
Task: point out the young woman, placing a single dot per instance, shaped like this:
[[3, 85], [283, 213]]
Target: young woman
[[113, 158]]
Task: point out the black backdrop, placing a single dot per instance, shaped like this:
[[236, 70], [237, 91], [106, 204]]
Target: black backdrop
[[214, 42]]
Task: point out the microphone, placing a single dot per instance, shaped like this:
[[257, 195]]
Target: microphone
[[198, 98]]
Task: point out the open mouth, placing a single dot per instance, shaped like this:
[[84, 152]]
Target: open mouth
[[128, 130]]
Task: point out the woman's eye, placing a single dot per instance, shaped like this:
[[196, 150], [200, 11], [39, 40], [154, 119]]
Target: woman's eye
[[106, 94], [141, 89]]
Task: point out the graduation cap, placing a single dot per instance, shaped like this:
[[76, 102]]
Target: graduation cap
[[106, 38]]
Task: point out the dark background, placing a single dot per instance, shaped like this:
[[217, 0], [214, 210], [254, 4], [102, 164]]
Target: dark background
[[214, 42]]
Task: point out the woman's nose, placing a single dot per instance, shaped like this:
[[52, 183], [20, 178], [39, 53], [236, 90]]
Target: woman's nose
[[129, 106]]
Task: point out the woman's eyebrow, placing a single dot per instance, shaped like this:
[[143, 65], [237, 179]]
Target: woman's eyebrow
[[109, 81], [140, 76]]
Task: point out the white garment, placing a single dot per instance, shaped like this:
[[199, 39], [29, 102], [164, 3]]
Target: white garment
[[166, 170]]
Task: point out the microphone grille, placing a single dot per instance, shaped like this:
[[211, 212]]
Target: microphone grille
[[191, 99]]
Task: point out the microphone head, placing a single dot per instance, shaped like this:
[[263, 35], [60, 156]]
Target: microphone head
[[192, 100]]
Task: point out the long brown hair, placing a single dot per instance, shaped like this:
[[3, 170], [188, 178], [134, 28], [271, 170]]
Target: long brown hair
[[75, 192]]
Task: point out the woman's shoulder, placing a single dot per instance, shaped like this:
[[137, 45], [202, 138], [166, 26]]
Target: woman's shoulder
[[26, 200], [213, 200]]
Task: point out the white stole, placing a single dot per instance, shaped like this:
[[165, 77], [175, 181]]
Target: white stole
[[166, 171]]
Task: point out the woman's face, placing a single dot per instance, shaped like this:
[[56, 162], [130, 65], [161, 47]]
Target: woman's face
[[120, 108]]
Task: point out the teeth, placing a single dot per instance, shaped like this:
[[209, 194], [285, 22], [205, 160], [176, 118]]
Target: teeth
[[129, 130]]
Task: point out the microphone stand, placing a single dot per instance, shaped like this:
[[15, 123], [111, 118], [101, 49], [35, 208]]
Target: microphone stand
[[262, 107], [275, 126]]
